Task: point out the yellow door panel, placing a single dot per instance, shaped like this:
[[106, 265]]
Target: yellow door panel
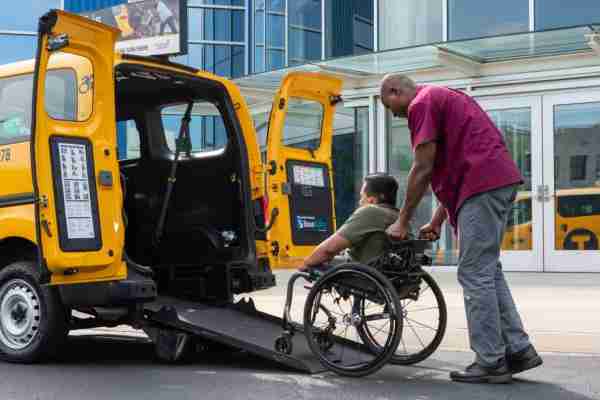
[[76, 172], [298, 171]]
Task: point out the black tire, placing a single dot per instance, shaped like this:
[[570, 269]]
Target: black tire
[[402, 356], [392, 310], [47, 321]]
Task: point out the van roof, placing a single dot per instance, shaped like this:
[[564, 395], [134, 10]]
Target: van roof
[[65, 60]]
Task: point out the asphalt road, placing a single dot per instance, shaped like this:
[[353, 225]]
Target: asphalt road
[[560, 312], [124, 368]]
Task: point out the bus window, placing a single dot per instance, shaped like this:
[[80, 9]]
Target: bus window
[[579, 205]]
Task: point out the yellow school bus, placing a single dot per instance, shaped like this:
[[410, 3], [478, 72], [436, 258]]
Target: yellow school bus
[[576, 221], [82, 230]]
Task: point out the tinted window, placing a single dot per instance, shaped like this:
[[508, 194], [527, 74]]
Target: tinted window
[[555, 13], [207, 129], [133, 149], [476, 18], [15, 102], [303, 122], [579, 206]]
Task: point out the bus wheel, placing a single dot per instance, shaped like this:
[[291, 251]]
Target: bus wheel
[[33, 323]]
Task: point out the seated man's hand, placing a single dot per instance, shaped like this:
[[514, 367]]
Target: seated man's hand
[[430, 231], [399, 230]]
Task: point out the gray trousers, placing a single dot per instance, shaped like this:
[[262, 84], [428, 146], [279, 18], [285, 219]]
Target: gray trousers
[[494, 324]]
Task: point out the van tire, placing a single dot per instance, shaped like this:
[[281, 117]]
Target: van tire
[[33, 320]]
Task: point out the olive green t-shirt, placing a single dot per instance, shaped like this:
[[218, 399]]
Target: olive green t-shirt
[[361, 227]]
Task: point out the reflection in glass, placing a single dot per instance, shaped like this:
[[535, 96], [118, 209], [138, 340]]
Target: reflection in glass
[[349, 158], [515, 125], [303, 121], [304, 31], [474, 18], [577, 183], [554, 14], [207, 129], [400, 157], [409, 23]]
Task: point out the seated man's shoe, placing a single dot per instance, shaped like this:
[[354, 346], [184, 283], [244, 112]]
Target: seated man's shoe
[[476, 373], [524, 360]]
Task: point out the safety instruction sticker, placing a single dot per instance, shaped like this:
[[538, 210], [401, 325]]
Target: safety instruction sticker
[[76, 191], [311, 223], [310, 176]]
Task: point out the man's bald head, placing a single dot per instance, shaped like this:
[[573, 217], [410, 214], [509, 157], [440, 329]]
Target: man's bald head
[[397, 91]]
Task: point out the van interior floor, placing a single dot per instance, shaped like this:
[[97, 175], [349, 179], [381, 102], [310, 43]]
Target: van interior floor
[[239, 326]]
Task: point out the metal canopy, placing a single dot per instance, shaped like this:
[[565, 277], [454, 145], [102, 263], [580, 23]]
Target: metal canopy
[[467, 57]]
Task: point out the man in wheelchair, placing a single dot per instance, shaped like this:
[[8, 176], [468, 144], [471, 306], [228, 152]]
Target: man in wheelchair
[[375, 213]]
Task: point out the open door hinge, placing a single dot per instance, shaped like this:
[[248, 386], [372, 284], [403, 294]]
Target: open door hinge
[[272, 167], [57, 42], [275, 248], [335, 99], [281, 103]]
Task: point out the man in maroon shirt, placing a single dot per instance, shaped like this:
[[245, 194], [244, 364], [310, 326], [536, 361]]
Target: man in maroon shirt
[[461, 153]]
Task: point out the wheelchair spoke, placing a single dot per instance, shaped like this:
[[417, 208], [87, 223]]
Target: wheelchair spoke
[[421, 324], [415, 332], [424, 309]]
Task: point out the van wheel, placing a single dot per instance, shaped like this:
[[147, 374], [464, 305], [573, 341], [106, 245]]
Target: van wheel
[[33, 323]]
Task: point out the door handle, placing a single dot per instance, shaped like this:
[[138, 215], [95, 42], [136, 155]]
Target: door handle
[[543, 193]]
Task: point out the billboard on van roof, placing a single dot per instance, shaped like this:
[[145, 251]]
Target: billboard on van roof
[[148, 27]]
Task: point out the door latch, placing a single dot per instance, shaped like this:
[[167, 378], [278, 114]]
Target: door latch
[[46, 227]]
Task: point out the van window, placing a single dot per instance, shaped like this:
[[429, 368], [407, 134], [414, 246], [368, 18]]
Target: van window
[[207, 129], [579, 205], [303, 122], [16, 102]]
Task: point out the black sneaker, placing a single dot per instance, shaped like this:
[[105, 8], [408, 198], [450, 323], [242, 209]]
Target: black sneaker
[[476, 373], [524, 360]]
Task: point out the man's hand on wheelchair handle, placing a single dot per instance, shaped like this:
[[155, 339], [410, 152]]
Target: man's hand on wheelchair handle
[[399, 230], [430, 231]]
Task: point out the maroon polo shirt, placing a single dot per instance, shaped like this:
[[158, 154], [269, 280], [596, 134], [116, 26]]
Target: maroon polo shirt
[[471, 156]]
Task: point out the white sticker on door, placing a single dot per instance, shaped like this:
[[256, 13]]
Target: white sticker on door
[[76, 191], [309, 176]]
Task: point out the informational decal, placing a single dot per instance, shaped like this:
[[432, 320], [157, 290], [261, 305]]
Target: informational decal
[[310, 176], [148, 27], [312, 223], [76, 191]]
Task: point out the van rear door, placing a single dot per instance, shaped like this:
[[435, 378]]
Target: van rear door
[[299, 179], [75, 170]]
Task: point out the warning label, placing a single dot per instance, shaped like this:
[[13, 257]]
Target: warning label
[[76, 191]]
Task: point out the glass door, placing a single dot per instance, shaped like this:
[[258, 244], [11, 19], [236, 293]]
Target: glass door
[[519, 119], [571, 193]]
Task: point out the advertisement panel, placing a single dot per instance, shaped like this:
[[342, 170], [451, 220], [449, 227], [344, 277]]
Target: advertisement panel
[[148, 27]]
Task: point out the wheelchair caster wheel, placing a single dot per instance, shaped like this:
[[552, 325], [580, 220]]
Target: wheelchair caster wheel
[[283, 344]]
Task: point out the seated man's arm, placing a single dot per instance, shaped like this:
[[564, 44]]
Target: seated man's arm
[[327, 250]]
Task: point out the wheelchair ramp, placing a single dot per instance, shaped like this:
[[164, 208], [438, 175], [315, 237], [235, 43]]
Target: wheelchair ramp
[[239, 326]]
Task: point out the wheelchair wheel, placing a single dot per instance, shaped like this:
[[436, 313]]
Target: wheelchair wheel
[[332, 318], [424, 325]]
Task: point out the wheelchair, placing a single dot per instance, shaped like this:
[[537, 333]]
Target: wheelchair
[[359, 317]]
